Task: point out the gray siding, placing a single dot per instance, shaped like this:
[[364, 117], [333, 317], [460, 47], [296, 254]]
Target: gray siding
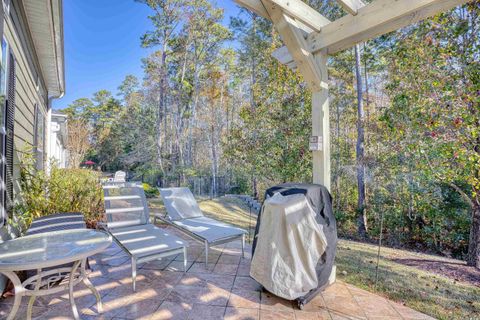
[[27, 92]]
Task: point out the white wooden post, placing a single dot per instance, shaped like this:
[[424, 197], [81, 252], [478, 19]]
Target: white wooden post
[[321, 125]]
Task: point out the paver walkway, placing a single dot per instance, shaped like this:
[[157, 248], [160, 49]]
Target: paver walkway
[[223, 291]]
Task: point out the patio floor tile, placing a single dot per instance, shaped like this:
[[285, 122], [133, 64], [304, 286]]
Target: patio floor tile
[[317, 303], [229, 259], [142, 309], [241, 314], [305, 315], [37, 312], [202, 312], [244, 299], [243, 270], [178, 266], [223, 268], [269, 301], [374, 306], [346, 306], [172, 311], [199, 267], [203, 280], [276, 315], [157, 264], [186, 294], [246, 283], [214, 296]]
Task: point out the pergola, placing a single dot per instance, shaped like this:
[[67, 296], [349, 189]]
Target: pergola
[[309, 38]]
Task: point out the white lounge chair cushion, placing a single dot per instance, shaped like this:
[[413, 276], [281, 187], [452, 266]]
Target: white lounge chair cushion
[[145, 240], [209, 229], [180, 203]]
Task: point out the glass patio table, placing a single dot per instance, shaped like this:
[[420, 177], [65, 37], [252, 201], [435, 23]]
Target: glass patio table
[[51, 251]]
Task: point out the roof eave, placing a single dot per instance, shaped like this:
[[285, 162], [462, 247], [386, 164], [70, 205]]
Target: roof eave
[[45, 20]]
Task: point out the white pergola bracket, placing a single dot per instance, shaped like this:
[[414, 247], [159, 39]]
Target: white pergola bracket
[[294, 40], [284, 57], [351, 6]]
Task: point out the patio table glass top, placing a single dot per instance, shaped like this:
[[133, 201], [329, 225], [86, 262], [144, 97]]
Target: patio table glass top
[[51, 249]]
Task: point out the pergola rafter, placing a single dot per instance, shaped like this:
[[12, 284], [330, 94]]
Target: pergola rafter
[[351, 6], [309, 37], [302, 12]]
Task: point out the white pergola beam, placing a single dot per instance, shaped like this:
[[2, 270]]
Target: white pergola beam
[[255, 6], [375, 19], [302, 12], [351, 6]]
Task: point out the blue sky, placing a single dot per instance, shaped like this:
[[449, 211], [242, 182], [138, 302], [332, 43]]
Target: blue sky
[[102, 44]]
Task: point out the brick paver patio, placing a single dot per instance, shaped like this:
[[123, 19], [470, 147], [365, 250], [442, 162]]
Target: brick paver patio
[[223, 291]]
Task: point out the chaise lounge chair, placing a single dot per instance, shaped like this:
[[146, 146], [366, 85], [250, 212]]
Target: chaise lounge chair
[[128, 221], [184, 213], [120, 176]]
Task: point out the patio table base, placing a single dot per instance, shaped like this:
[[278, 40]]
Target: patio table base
[[49, 278]]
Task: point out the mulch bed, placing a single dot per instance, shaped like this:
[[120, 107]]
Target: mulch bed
[[457, 271]]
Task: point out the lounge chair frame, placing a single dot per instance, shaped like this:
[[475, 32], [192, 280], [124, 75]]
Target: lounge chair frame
[[198, 237], [108, 211], [206, 243]]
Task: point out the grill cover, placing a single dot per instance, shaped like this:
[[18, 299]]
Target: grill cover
[[321, 202], [290, 243]]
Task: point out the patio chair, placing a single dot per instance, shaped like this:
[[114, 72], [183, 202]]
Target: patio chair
[[128, 221], [56, 222], [120, 176], [184, 213]]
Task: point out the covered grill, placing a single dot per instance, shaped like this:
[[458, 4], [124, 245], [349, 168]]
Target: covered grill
[[295, 242]]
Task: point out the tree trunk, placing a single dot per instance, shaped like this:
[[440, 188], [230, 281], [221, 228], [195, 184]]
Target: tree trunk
[[255, 187], [361, 216], [192, 120], [214, 165], [337, 156], [474, 243], [252, 100], [161, 109]]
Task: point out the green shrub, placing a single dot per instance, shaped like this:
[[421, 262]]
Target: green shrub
[[63, 190], [150, 192]]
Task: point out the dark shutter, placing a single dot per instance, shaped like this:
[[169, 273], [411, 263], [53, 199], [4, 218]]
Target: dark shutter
[[35, 134], [9, 126]]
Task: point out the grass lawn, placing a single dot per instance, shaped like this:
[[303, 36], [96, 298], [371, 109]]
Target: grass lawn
[[425, 291]]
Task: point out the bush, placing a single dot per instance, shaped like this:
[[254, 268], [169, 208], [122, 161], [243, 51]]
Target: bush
[[63, 190], [150, 192]]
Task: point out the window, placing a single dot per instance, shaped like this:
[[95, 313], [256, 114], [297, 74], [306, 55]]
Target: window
[[3, 131], [39, 137]]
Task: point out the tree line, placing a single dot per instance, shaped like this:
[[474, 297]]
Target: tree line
[[404, 108]]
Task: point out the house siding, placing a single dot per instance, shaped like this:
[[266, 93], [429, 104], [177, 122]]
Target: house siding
[[27, 92]]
